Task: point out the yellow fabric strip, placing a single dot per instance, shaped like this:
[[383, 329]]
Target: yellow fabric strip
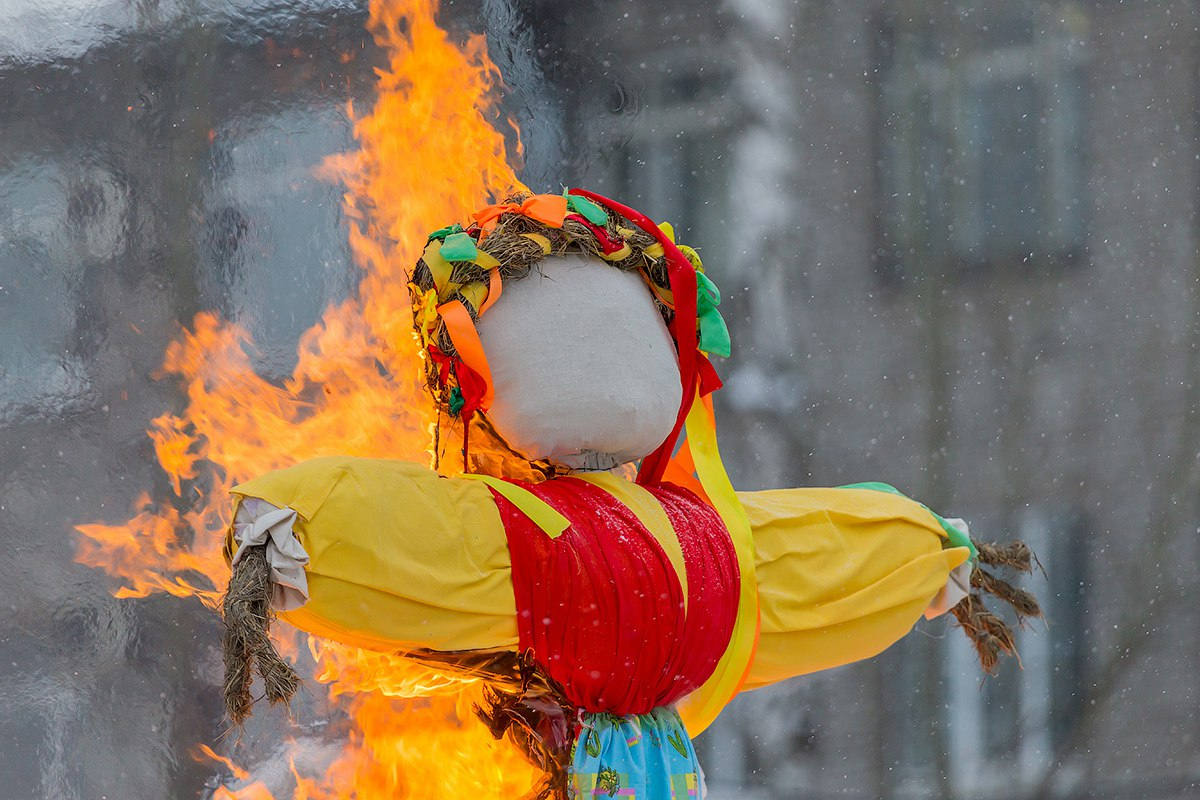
[[541, 240], [665, 296], [495, 289], [538, 510], [650, 513], [486, 260], [475, 294], [618, 255], [701, 707], [438, 266]]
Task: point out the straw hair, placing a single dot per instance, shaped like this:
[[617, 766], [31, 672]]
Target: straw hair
[[247, 644], [989, 633], [521, 703], [1012, 555]]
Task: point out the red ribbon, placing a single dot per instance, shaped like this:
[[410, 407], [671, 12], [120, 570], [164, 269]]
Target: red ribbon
[[443, 362], [608, 245], [683, 330], [710, 381], [470, 383]]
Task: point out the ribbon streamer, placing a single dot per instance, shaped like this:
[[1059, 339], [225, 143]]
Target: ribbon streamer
[[702, 706], [714, 333], [540, 513], [461, 329]]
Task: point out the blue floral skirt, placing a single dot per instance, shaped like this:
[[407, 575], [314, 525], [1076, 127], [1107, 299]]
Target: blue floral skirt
[[635, 757]]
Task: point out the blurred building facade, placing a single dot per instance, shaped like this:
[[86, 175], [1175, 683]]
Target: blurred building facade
[[154, 162], [959, 244]]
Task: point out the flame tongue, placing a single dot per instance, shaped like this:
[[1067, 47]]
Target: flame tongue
[[428, 154]]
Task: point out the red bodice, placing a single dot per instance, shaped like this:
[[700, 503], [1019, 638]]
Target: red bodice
[[601, 606]]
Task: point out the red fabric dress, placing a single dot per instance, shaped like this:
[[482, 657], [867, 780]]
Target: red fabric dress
[[601, 606]]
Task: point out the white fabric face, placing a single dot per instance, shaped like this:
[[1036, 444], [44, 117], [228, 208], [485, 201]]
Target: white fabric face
[[258, 522], [584, 370]]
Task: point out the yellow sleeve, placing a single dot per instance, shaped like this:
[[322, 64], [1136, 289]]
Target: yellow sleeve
[[842, 575], [399, 557]]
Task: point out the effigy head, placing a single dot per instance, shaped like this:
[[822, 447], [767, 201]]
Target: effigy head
[[584, 371], [556, 319]]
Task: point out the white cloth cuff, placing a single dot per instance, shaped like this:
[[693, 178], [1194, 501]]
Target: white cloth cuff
[[958, 585], [258, 522]]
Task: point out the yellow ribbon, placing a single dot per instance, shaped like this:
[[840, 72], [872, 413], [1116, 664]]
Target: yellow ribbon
[[538, 510], [486, 260], [618, 255], [540, 240], [702, 706], [475, 294], [425, 314], [440, 268], [495, 288]]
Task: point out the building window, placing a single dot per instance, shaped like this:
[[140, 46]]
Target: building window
[[674, 163], [1020, 715], [59, 225], [1066, 608], [980, 155]]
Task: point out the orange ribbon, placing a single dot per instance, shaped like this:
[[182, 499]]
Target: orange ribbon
[[681, 471], [495, 287], [462, 332], [547, 208]]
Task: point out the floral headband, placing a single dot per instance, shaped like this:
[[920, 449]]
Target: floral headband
[[462, 271]]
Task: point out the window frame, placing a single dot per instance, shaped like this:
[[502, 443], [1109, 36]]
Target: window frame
[[930, 205]]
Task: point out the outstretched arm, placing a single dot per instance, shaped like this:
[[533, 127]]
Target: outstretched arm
[[428, 553], [377, 554], [844, 573]]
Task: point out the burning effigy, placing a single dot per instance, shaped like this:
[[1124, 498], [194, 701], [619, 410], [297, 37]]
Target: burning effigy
[[575, 543], [527, 570]]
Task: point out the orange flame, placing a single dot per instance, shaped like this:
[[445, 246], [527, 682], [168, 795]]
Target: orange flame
[[206, 752], [428, 154]]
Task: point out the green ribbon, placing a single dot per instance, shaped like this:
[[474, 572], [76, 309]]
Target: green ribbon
[[956, 537], [456, 401], [585, 208], [441, 233], [714, 333], [459, 247]]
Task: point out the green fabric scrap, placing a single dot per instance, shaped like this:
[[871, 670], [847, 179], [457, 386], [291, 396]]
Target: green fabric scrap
[[714, 333], [956, 537], [441, 233], [459, 247], [585, 208], [456, 400]]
